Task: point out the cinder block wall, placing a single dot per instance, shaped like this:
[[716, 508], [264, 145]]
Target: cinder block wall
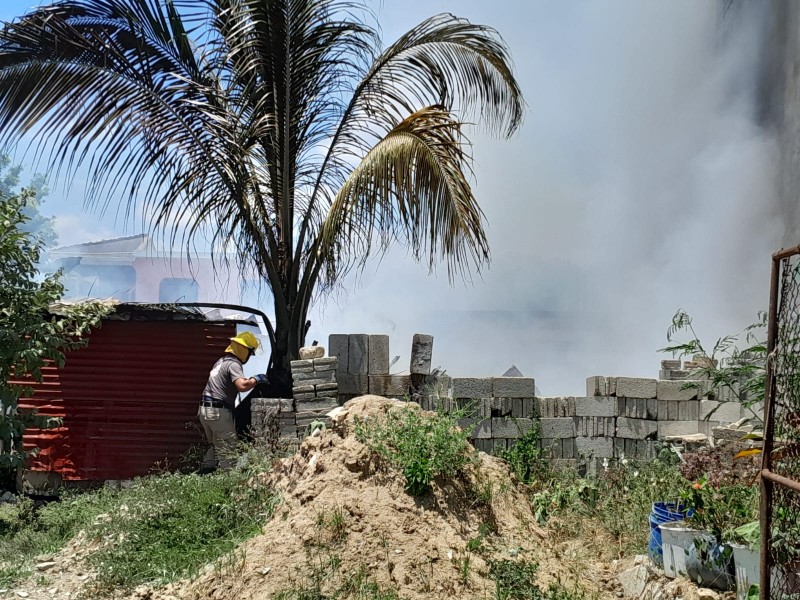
[[619, 416]]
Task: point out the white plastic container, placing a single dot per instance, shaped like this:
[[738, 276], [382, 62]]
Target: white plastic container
[[677, 538], [747, 564]]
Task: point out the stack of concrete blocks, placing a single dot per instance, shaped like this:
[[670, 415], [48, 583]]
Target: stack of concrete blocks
[[315, 391], [363, 367], [273, 420], [500, 410]]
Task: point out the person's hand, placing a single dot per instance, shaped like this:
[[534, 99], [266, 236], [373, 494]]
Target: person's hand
[[261, 378]]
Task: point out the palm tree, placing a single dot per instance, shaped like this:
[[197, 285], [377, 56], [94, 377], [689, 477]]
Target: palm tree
[[280, 128]]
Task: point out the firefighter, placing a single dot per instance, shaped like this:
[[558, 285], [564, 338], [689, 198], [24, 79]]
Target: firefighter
[[225, 382]]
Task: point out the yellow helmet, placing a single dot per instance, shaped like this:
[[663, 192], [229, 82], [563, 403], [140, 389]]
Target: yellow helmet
[[247, 339]]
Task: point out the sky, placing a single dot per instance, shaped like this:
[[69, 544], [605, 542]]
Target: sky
[[640, 183]]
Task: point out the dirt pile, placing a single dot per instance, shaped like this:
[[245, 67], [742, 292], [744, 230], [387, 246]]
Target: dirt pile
[[346, 521]]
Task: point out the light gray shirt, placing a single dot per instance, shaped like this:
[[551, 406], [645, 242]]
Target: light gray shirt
[[220, 384]]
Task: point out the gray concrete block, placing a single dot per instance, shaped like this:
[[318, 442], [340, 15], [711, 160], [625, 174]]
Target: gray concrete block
[[516, 408], [262, 404], [595, 426], [596, 407], [557, 428], [669, 428], [634, 408], [302, 389], [326, 361], [483, 429], [667, 410], [378, 355], [671, 365], [315, 378], [353, 385], [467, 424], [677, 390], [689, 410], [301, 364], [358, 349], [528, 408], [636, 429], [652, 409], [501, 407], [636, 387], [322, 389], [510, 428], [339, 346], [568, 448], [304, 396], [421, 354], [597, 385], [318, 405], [513, 387], [551, 448], [587, 447], [390, 385], [472, 387]]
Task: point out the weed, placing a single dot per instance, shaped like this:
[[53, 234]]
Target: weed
[[525, 458], [517, 581], [422, 447]]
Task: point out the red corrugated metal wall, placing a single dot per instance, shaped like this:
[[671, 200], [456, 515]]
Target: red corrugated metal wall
[[128, 400]]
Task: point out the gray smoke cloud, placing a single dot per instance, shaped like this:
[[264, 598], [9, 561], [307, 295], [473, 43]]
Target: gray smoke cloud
[[640, 184]]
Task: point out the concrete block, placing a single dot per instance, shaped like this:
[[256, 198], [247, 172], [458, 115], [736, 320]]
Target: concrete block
[[378, 355], [516, 408], [317, 381], [302, 389], [501, 407], [678, 390], [667, 410], [568, 448], [498, 445], [595, 426], [551, 448], [689, 410], [670, 365], [339, 346], [636, 429], [483, 430], [326, 361], [510, 428], [597, 385], [322, 405], [353, 385], [554, 406], [557, 428], [304, 396], [594, 447], [670, 428], [467, 424], [528, 408], [421, 354], [301, 364], [635, 387], [358, 359], [472, 387], [327, 387], [634, 408], [390, 385], [513, 387], [263, 404], [596, 407]]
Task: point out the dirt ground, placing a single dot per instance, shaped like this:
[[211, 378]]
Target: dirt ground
[[345, 517]]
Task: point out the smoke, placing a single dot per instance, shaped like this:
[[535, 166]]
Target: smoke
[[640, 184]]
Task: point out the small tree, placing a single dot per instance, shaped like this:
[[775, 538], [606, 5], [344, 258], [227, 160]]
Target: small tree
[[36, 223], [31, 337], [730, 371]]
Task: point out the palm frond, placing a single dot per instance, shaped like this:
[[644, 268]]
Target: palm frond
[[412, 186]]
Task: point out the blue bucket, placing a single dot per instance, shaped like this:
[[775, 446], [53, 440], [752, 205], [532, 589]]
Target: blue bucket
[[662, 512]]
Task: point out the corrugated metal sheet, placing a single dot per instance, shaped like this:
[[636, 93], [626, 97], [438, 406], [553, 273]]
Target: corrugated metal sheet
[[128, 401]]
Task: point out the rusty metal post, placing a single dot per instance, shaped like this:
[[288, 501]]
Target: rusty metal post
[[766, 462]]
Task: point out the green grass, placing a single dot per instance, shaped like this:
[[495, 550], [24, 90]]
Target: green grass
[[158, 530]]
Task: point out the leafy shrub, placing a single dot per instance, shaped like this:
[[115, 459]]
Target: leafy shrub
[[422, 447], [525, 458]]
